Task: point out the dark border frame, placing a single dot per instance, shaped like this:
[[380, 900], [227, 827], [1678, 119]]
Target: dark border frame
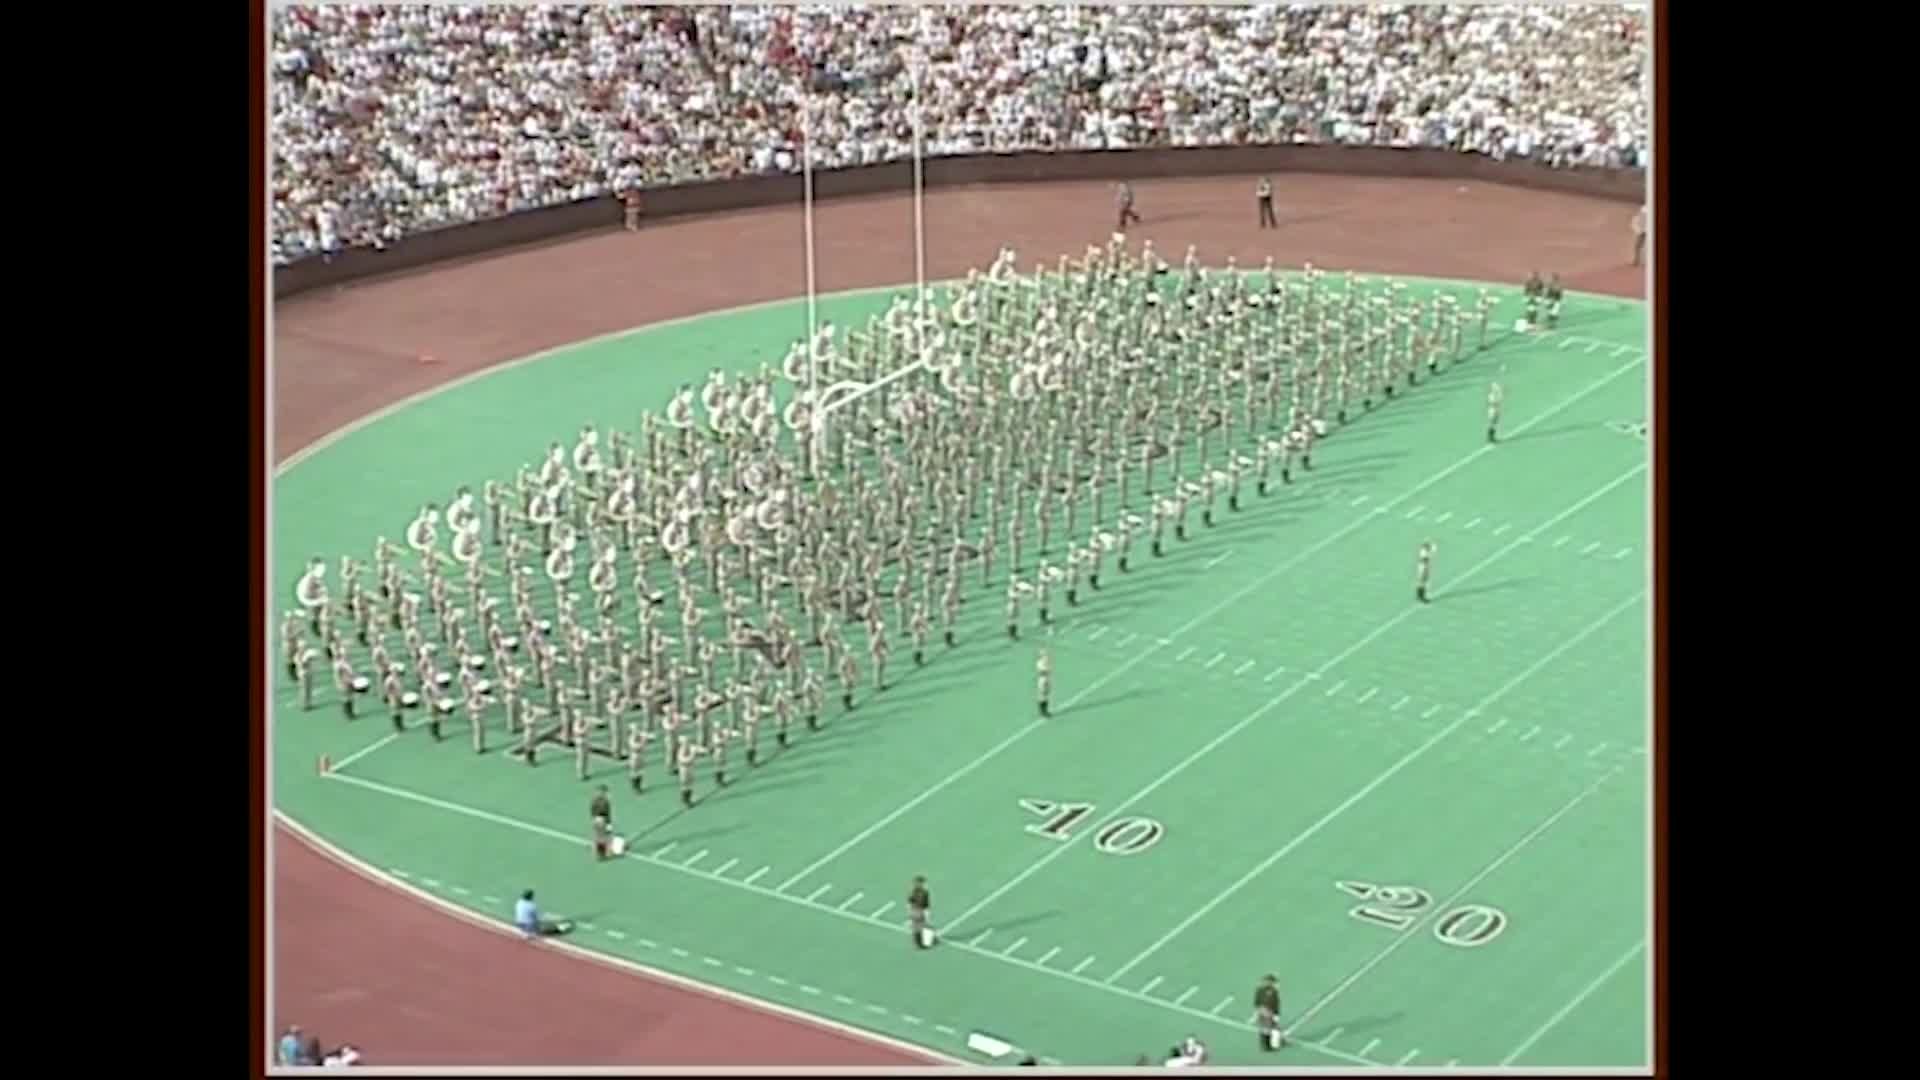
[[258, 812]]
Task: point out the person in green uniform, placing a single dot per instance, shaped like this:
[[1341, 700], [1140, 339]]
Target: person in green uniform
[[600, 813], [1266, 1014], [919, 902], [1553, 293], [1534, 291]]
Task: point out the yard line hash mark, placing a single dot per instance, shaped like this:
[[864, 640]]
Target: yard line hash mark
[[755, 876], [724, 867], [850, 901], [1224, 1002], [1182, 999], [1428, 715], [1368, 696], [1156, 981], [1048, 955], [1082, 966], [1013, 948], [1402, 703], [1216, 659], [1190, 650], [1218, 559], [815, 895], [1242, 669], [1097, 631]]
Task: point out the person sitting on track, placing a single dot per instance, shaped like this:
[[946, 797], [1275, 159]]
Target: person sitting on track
[[527, 920]]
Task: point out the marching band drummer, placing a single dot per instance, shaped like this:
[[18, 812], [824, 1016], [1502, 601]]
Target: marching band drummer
[[291, 642], [304, 659], [345, 682], [393, 691]]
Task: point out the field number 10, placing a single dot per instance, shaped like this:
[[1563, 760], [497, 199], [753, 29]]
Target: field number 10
[[1058, 821]]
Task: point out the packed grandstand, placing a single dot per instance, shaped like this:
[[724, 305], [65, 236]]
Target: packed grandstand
[[388, 120]]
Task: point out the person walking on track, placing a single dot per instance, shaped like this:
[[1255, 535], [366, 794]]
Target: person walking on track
[[1123, 198], [1263, 194]]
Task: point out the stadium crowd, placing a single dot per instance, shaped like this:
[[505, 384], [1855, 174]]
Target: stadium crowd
[[392, 119]]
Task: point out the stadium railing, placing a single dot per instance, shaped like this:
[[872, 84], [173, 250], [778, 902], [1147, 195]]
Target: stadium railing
[[713, 196]]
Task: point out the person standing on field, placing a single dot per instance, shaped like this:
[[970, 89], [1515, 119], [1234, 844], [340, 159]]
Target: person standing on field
[[1266, 1014], [1640, 236], [919, 902], [1263, 194]]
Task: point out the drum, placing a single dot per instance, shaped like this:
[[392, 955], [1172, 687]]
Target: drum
[[483, 687], [361, 684], [409, 700], [442, 679], [444, 706], [545, 626], [511, 644], [476, 662]]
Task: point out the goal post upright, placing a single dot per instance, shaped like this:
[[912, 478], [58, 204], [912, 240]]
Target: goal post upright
[[813, 291]]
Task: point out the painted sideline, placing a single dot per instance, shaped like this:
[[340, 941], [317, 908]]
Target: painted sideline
[[389, 409], [631, 967]]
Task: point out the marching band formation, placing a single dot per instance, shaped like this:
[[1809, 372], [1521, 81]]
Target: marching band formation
[[741, 551]]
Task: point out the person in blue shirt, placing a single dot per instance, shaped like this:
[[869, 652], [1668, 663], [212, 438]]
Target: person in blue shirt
[[291, 1047], [526, 915], [526, 919]]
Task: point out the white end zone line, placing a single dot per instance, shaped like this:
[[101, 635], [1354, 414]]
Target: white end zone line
[[341, 857]]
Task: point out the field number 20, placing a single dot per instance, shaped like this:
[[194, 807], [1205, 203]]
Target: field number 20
[[1120, 836], [1398, 907]]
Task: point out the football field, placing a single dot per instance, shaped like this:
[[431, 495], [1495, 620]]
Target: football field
[[1430, 822]]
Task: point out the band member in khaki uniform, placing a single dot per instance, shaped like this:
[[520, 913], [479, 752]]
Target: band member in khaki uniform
[[684, 757], [1263, 195], [1640, 236], [1043, 677]]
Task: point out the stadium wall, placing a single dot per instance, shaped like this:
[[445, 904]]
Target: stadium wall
[[461, 241]]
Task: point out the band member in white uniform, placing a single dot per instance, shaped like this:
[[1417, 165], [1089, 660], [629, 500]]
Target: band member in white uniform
[[1423, 571]]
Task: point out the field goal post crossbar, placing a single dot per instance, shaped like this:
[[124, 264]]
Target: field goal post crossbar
[[823, 402]]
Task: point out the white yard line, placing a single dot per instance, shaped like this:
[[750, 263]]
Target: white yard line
[[1198, 620], [1485, 872], [1389, 773], [1338, 658], [363, 752], [1567, 1009]]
